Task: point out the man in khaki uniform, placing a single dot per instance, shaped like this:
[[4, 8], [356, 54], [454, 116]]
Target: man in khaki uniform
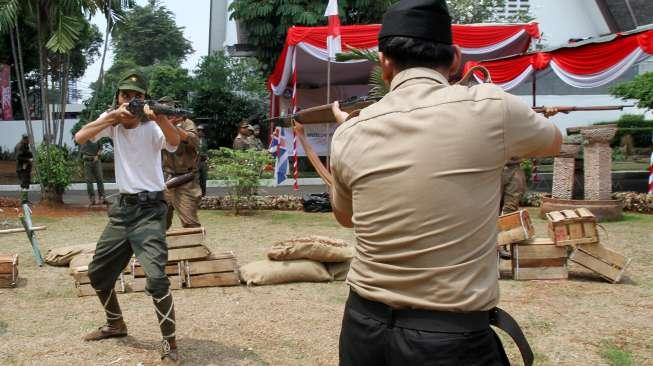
[[423, 280], [185, 198], [255, 138], [513, 182], [242, 141]]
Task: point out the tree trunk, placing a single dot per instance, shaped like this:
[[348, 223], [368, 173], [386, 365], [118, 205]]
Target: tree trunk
[[107, 15], [64, 96], [52, 198], [41, 26], [20, 76]]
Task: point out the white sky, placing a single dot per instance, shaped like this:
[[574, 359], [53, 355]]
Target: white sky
[[192, 15]]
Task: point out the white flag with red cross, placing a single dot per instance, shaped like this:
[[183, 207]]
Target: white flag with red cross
[[334, 43]]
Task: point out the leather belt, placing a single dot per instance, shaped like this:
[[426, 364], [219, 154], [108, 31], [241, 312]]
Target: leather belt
[[443, 321], [141, 197]]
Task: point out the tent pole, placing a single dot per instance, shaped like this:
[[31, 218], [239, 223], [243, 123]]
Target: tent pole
[[534, 90]]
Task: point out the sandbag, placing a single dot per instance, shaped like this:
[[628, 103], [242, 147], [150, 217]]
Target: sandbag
[[317, 248], [268, 272], [62, 256], [80, 260], [338, 271]]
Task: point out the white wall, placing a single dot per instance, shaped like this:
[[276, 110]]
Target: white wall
[[561, 20], [11, 132]]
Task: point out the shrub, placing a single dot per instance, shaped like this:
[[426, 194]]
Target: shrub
[[56, 170], [241, 170]]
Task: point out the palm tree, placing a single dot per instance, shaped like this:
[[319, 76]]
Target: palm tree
[[378, 87]]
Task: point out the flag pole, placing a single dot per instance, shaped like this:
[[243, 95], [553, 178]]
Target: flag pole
[[328, 130]]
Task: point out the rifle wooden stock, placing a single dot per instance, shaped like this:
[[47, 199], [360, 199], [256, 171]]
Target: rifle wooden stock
[[322, 113], [568, 109]]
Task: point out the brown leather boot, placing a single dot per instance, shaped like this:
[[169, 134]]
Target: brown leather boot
[[108, 330], [170, 355]]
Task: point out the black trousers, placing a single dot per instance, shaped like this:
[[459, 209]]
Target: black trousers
[[368, 337]]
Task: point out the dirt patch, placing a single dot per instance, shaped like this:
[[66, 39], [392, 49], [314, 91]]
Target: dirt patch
[[574, 322], [12, 210]]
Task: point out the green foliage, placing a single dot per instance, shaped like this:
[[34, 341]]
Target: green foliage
[[241, 170], [56, 168], [148, 34], [268, 21], [226, 91], [640, 88], [634, 125], [527, 166], [169, 80], [482, 11], [615, 355]]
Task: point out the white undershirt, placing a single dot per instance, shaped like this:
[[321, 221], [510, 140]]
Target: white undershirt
[[137, 156]]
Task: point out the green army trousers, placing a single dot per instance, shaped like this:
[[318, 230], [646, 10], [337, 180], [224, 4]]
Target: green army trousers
[[133, 228], [93, 173]]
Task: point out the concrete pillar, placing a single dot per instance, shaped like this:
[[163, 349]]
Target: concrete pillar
[[598, 162]]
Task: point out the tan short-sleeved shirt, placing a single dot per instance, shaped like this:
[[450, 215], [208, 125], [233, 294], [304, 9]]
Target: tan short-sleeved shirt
[[185, 159], [421, 172]]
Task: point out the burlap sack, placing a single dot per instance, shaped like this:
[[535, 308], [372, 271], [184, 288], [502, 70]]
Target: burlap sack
[[317, 248], [338, 271], [267, 272], [62, 256], [80, 260]]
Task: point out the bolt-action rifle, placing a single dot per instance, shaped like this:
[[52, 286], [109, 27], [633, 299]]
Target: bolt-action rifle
[[135, 107]]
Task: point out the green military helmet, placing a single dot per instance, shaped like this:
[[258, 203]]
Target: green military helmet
[[133, 80], [169, 101]]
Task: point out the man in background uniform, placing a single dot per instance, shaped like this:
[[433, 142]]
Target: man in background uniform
[[423, 282], [183, 198], [242, 142], [255, 138], [204, 157], [24, 159], [93, 171], [513, 183]]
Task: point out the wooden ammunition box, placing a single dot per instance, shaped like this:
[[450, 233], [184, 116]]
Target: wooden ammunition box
[[138, 284], [217, 270], [8, 270], [538, 259], [85, 289], [514, 227], [181, 238], [601, 260], [572, 227]]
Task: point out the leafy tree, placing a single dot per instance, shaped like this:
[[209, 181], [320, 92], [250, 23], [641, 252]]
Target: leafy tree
[[241, 170], [148, 34], [169, 80], [640, 88], [482, 11], [267, 22], [226, 91]]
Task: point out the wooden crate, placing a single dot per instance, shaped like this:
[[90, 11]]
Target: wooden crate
[[171, 269], [85, 289], [138, 284], [538, 259], [181, 238], [188, 253], [572, 227], [217, 270], [8, 270], [514, 228], [604, 261]]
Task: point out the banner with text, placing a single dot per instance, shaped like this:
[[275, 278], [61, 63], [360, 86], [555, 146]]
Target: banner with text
[[319, 136], [5, 92]]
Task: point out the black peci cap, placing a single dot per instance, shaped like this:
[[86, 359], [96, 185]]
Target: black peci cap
[[424, 19]]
